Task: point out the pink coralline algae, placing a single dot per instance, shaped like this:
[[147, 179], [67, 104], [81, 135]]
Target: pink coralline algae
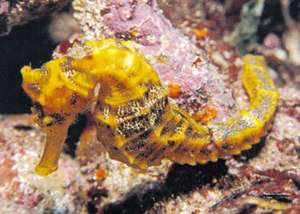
[[175, 58]]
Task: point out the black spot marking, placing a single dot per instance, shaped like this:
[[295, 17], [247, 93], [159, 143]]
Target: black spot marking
[[171, 142], [73, 99], [58, 118], [189, 132], [123, 35]]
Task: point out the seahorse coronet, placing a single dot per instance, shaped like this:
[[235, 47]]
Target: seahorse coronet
[[128, 104]]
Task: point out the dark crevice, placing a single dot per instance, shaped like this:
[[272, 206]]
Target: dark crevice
[[27, 44], [74, 133], [295, 10], [181, 179], [271, 20]]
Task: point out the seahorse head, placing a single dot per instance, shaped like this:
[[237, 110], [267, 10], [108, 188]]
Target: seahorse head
[[57, 90]]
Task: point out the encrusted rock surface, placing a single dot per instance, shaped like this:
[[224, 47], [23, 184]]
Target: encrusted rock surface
[[175, 58], [22, 11], [21, 190]]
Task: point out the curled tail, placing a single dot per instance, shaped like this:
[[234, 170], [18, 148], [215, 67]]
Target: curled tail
[[248, 127], [202, 143]]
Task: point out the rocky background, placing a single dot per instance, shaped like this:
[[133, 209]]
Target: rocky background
[[194, 44]]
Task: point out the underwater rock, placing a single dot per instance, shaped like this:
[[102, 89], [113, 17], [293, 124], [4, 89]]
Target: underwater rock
[[174, 57], [22, 191], [14, 13]]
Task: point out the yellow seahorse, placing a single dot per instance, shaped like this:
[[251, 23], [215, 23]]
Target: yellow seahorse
[[135, 122]]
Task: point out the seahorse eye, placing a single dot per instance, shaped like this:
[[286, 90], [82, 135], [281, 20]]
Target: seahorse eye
[[32, 79]]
